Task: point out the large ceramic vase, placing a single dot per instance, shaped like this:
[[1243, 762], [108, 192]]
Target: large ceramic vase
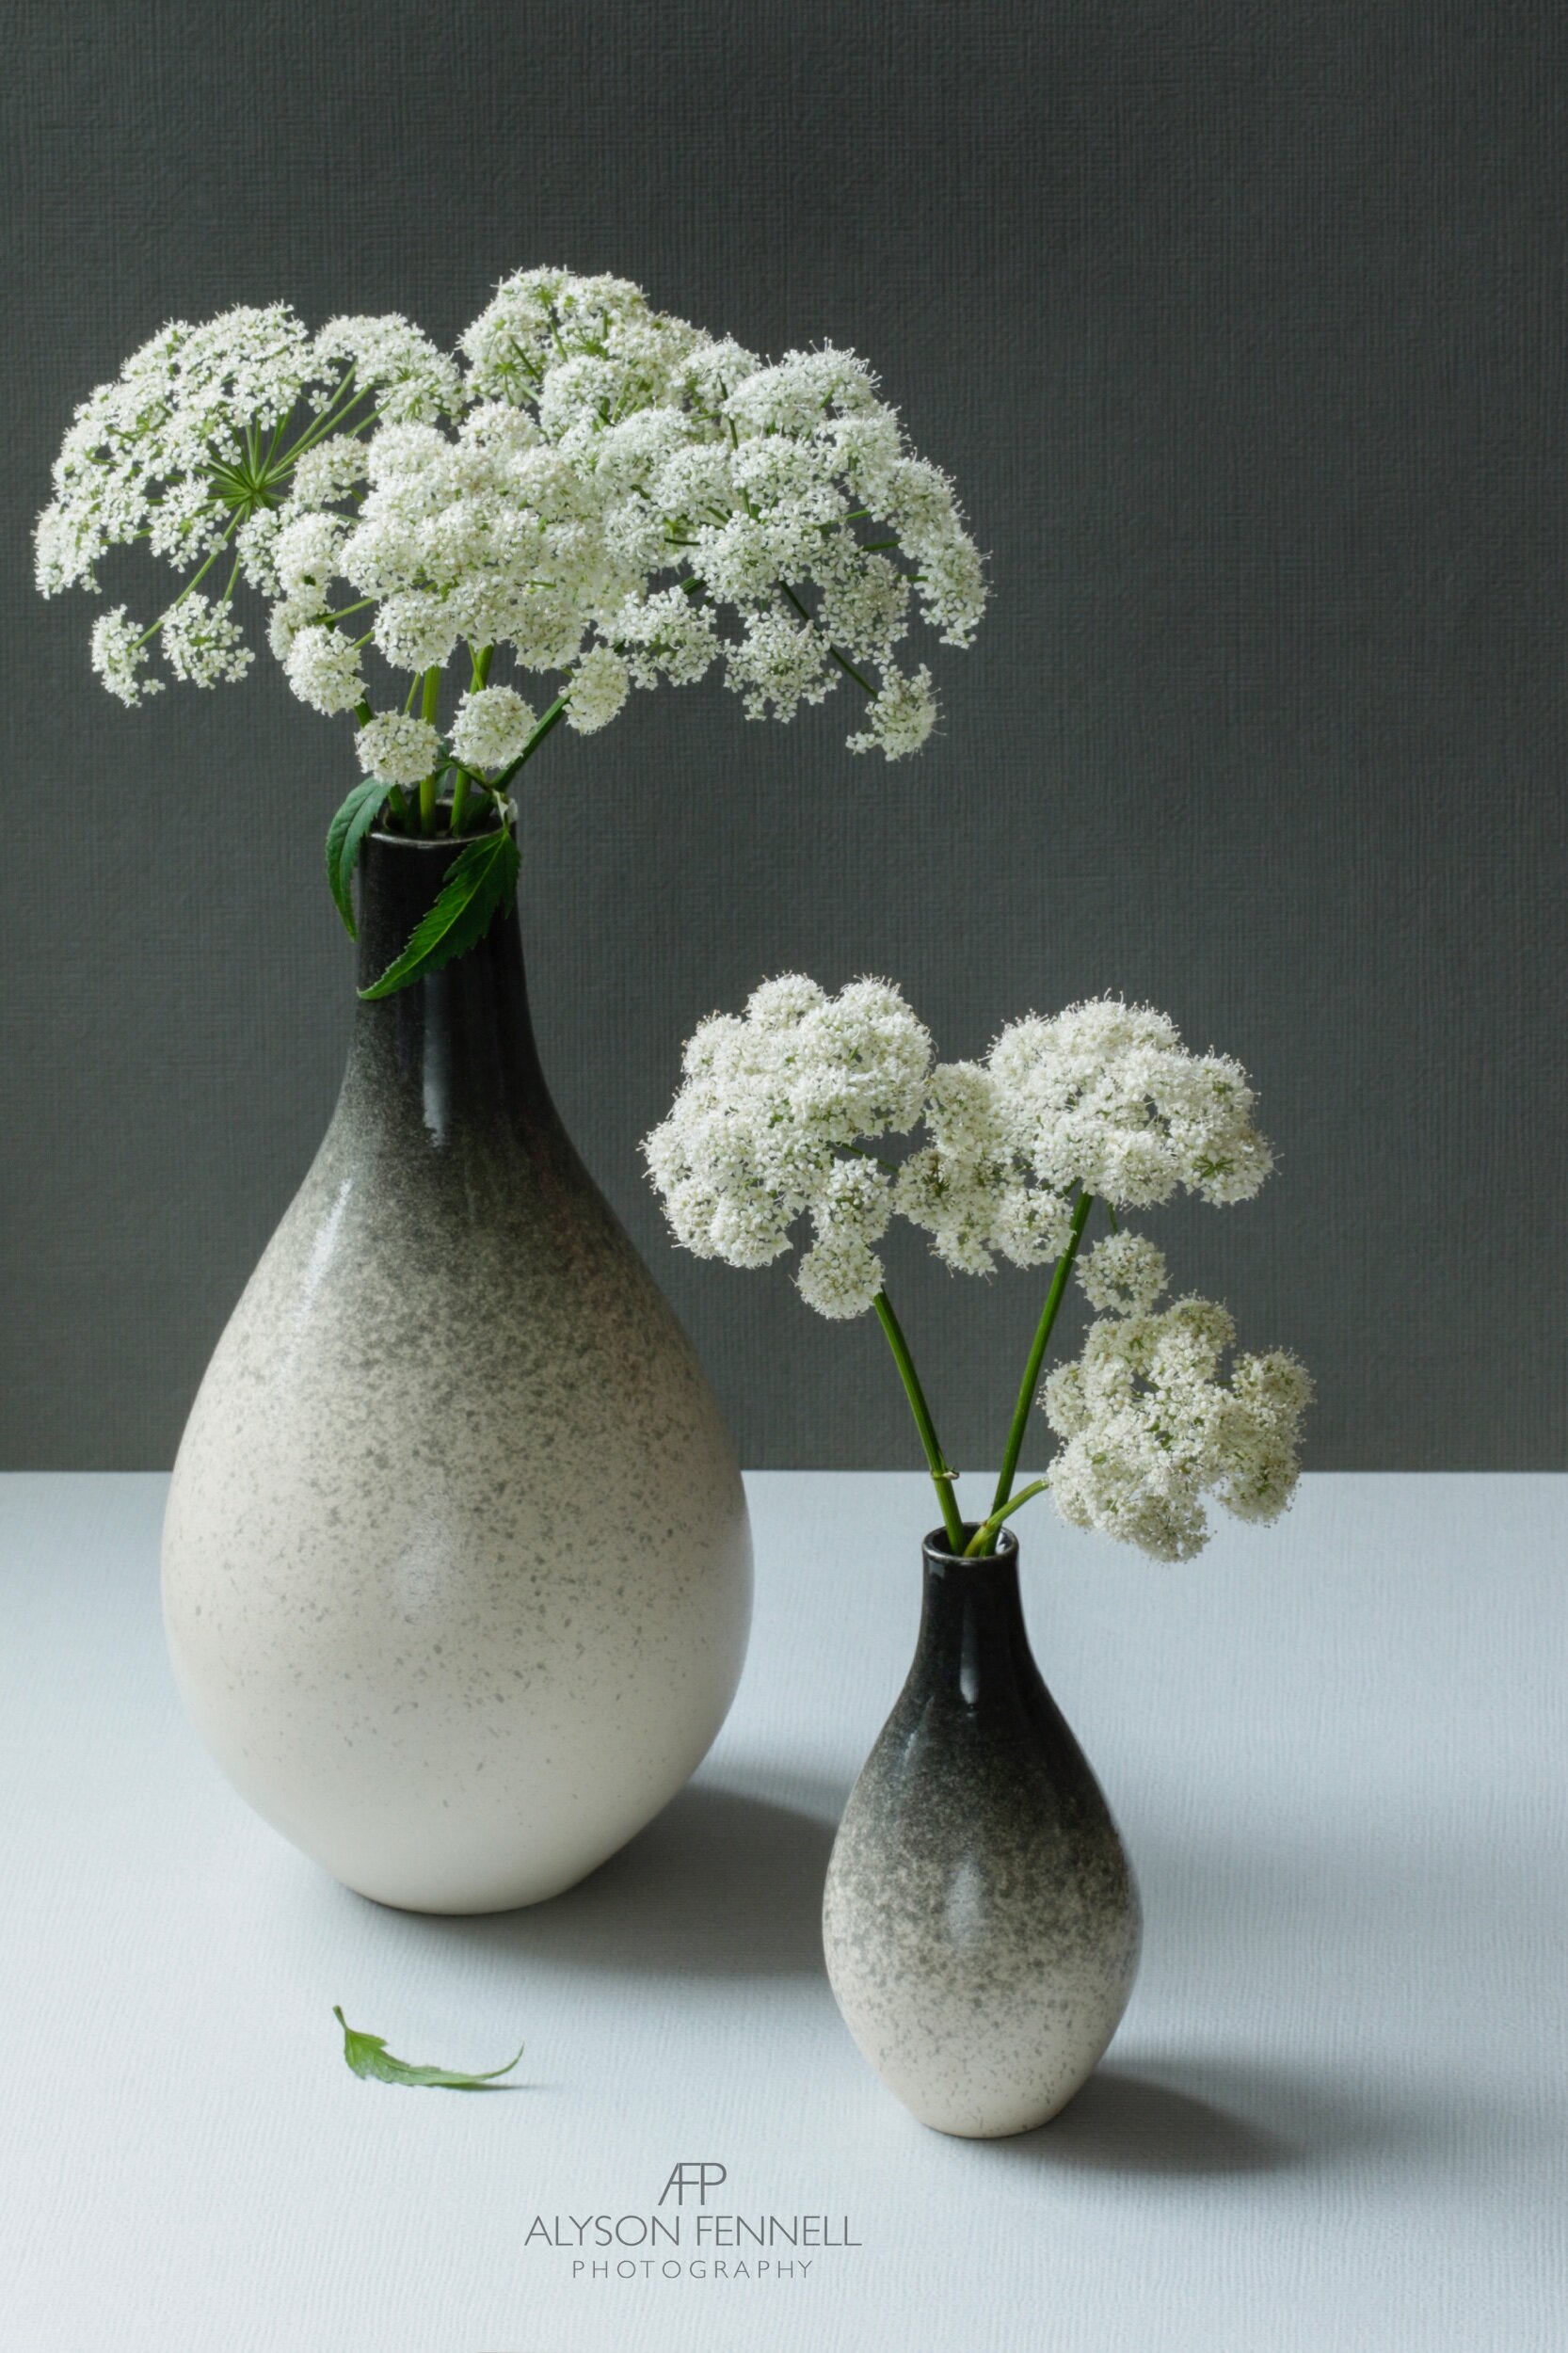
[[457, 1564], [981, 1919]]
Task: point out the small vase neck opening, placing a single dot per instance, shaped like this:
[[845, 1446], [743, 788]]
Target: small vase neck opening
[[972, 1631]]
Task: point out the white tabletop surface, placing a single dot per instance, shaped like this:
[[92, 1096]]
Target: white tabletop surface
[[1334, 2116]]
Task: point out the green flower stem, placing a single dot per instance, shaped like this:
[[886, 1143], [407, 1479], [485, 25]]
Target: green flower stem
[[331, 416], [985, 1537], [428, 706], [482, 665], [1030, 1380], [941, 1477], [460, 798], [193, 582]]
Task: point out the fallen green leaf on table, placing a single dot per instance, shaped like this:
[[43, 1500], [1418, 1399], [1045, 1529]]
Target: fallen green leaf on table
[[369, 2057]]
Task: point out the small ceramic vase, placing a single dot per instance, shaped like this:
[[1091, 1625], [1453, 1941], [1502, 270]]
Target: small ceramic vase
[[981, 1919]]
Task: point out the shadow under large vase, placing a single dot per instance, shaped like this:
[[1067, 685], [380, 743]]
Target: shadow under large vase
[[981, 1919], [456, 1567]]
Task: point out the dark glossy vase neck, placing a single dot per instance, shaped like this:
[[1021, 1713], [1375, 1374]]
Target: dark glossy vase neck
[[972, 1640], [453, 1051]]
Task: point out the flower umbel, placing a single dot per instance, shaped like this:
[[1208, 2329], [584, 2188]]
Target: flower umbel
[[791, 1115], [589, 493]]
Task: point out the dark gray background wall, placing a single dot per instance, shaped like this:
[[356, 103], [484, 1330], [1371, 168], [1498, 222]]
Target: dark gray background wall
[[1242, 328]]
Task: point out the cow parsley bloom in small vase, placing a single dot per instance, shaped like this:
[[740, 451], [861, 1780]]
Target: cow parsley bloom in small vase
[[457, 1566], [981, 1918]]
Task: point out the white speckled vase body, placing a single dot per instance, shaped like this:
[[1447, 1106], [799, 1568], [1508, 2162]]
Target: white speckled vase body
[[981, 1919], [457, 1566]]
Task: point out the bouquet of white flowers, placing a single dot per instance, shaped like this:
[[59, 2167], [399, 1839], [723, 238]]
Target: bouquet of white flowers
[[596, 495], [785, 1115]]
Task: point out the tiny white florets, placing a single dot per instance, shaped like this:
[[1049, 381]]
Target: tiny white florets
[[900, 718], [589, 487], [1123, 1275], [203, 643], [492, 726], [767, 1128], [322, 667], [599, 687], [1151, 1426], [1105, 1096], [398, 747], [785, 1115], [120, 659]]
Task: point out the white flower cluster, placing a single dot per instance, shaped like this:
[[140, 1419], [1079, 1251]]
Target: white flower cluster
[[1123, 1275], [593, 489], [775, 1119], [175, 452], [1151, 1426], [769, 1125], [1104, 1099]]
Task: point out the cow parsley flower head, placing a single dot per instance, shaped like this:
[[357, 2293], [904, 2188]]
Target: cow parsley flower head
[[322, 667], [397, 361], [971, 1188], [203, 643], [1151, 1426], [159, 453], [397, 748], [589, 488], [768, 1123], [1105, 1096], [492, 725], [599, 688], [792, 1112], [1123, 1275], [119, 657], [900, 718]]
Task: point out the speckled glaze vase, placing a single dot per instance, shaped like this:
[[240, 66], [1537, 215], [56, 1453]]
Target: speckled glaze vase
[[457, 1565], [981, 1918]]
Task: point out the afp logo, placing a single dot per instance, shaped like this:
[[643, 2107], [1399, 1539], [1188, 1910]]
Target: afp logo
[[693, 2174]]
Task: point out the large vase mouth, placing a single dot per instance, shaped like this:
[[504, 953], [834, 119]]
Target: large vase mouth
[[938, 1553], [450, 842]]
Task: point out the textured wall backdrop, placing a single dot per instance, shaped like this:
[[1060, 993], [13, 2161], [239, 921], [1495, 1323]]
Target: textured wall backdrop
[[1243, 330]]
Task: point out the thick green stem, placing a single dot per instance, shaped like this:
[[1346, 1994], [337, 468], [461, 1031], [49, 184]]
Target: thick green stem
[[460, 798], [429, 708], [1030, 1380], [941, 1477]]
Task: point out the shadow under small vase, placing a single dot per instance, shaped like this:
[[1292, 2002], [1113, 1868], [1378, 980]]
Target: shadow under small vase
[[981, 1920]]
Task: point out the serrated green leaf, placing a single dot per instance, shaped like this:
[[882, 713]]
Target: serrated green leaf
[[345, 834], [369, 2057], [478, 884]]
